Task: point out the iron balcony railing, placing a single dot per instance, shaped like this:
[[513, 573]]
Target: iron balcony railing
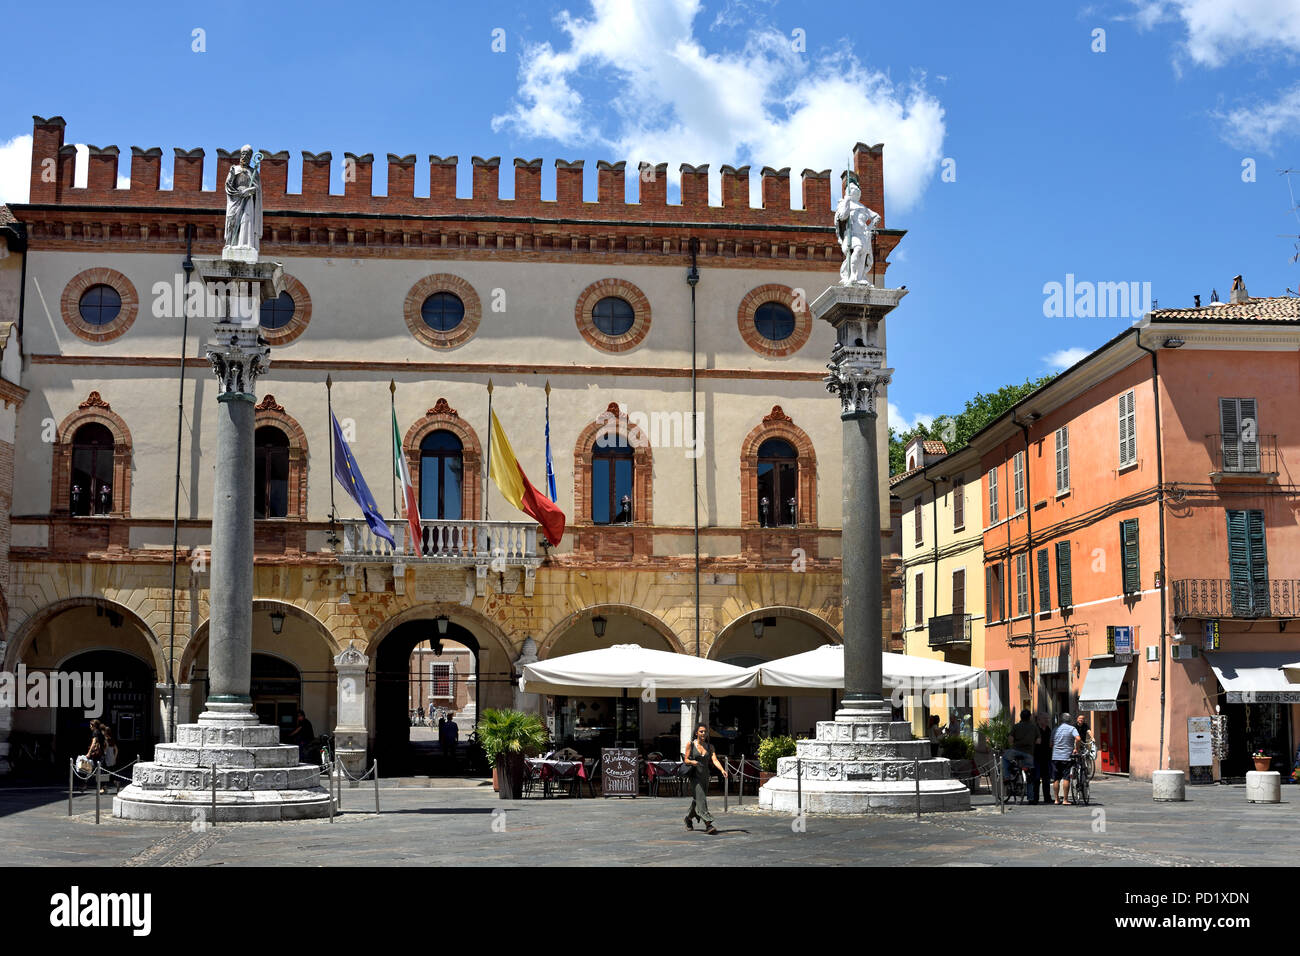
[[509, 543], [1232, 455], [1209, 598], [950, 629]]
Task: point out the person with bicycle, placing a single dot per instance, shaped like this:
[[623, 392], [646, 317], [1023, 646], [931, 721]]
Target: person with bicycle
[[1085, 735], [1065, 744], [1024, 735], [1042, 779]]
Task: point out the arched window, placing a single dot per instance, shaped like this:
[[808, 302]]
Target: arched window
[[271, 475], [612, 471], [442, 472], [778, 483], [91, 489]]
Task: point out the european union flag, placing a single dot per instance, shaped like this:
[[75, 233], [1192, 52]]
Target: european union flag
[[348, 474]]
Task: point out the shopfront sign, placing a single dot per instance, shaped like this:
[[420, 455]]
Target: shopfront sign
[[1211, 635], [1263, 697], [1200, 748]]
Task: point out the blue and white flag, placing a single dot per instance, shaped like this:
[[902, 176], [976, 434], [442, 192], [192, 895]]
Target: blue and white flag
[[550, 467], [348, 473]]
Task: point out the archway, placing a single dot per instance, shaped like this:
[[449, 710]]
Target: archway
[[763, 635], [587, 723]]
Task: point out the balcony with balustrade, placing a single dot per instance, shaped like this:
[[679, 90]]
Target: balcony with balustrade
[[1215, 598], [948, 629], [1235, 459]]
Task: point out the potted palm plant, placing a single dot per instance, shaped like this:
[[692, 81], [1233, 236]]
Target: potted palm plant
[[507, 737]]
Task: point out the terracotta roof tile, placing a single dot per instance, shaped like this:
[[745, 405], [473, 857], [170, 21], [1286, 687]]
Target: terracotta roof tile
[[934, 448], [1275, 308], [901, 475]]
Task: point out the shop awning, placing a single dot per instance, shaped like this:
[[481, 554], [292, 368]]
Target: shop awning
[[1101, 685], [1256, 678]]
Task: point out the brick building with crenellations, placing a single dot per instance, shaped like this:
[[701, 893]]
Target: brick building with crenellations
[[438, 295]]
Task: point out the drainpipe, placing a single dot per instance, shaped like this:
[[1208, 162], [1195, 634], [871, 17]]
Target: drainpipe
[[1160, 504], [1029, 563], [692, 280]]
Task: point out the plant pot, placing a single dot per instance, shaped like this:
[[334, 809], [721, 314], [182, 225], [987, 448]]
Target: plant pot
[[496, 785], [510, 776], [764, 776], [1262, 763]]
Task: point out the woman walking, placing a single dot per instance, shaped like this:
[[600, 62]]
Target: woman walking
[[699, 752]]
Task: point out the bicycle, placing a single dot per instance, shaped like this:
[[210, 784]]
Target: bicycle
[[1079, 779], [1016, 787], [1090, 759]]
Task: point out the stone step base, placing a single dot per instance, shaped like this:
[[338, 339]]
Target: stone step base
[[864, 730], [158, 777], [247, 806], [208, 735], [937, 768], [248, 758], [866, 796], [823, 749]]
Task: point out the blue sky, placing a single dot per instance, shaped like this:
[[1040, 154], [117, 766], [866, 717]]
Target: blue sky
[[1122, 165]]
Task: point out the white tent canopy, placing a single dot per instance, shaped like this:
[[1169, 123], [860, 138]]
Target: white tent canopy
[[610, 671], [823, 668]]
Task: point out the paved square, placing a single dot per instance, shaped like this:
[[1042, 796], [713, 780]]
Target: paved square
[[448, 825]]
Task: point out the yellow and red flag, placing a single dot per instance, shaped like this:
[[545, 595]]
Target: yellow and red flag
[[518, 490]]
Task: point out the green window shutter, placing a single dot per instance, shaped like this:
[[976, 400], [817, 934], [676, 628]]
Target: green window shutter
[[1239, 564], [1258, 562], [1129, 545], [1022, 584], [1044, 583], [1064, 592], [1230, 433], [920, 598], [1249, 433], [988, 593]]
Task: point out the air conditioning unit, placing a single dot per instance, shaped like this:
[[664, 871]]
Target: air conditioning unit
[[1153, 652], [1185, 652]]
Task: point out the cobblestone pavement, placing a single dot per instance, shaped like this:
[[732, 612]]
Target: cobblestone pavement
[[446, 825]]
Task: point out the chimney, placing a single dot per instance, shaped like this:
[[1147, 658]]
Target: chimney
[[187, 170], [442, 178], [67, 173], [401, 176], [316, 173], [146, 169], [487, 182], [1239, 293], [817, 192], [358, 175], [653, 188], [47, 182], [1197, 300], [609, 182], [275, 174], [695, 185], [102, 175], [528, 180], [735, 187], [776, 188], [568, 182]]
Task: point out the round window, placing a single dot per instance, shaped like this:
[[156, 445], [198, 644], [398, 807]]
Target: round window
[[442, 311], [774, 321], [100, 305], [612, 315], [278, 312]]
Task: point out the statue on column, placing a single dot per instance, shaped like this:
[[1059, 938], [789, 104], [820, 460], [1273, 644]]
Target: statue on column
[[244, 208], [856, 225]]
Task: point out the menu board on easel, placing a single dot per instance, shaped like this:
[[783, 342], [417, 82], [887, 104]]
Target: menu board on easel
[[618, 772], [1200, 750]]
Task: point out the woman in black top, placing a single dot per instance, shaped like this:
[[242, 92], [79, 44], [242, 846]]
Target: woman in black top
[[698, 754]]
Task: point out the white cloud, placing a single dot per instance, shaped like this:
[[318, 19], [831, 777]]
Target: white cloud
[[1256, 127], [1062, 359], [900, 423], [762, 104], [1218, 30], [15, 168]]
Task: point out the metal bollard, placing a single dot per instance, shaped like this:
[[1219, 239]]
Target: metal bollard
[[71, 772], [331, 790], [798, 783], [726, 791], [740, 797], [342, 771], [214, 795], [96, 778], [376, 769], [917, 771]]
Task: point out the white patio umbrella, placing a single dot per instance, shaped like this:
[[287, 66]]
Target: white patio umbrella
[[823, 668], [610, 671]]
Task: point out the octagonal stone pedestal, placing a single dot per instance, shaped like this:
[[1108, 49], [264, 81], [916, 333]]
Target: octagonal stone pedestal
[[863, 762], [258, 778]]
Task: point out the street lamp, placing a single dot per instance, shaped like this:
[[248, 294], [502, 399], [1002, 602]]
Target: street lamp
[[277, 622], [598, 625]]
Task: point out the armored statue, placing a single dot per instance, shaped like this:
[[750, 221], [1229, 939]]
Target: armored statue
[[855, 225]]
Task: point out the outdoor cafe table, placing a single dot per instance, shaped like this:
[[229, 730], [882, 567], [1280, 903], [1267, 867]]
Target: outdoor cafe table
[[548, 770], [673, 769]]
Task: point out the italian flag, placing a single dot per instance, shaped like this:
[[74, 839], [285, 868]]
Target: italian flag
[[408, 490], [518, 490]]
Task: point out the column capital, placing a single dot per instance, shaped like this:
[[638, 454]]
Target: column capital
[[857, 378], [238, 357]]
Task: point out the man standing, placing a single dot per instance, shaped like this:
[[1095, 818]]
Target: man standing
[[1043, 759], [1024, 735], [1064, 743]]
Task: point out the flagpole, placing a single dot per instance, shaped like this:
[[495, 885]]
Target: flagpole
[[329, 404], [392, 404], [550, 476], [488, 471]]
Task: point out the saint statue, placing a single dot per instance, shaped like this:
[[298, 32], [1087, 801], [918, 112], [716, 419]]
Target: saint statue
[[855, 225], [244, 208]]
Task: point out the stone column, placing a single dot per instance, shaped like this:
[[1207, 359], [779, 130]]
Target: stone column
[[528, 703], [690, 717], [350, 736]]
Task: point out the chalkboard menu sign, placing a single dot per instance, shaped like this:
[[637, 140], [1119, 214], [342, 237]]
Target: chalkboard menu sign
[[618, 772]]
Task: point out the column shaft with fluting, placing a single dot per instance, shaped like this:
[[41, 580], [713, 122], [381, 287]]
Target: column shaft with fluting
[[860, 562], [230, 629]]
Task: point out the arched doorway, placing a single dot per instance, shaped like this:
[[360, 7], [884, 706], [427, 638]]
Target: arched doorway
[[585, 722], [125, 704], [766, 635]]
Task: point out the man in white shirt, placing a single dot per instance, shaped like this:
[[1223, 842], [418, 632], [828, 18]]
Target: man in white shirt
[[1065, 741]]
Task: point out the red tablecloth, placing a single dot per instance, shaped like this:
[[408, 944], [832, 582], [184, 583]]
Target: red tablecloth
[[558, 769]]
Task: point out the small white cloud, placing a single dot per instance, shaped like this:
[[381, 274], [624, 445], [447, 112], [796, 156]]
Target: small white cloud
[[1064, 358], [15, 169], [1257, 127], [1218, 31], [900, 423]]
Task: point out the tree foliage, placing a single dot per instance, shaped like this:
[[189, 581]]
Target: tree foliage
[[955, 431]]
